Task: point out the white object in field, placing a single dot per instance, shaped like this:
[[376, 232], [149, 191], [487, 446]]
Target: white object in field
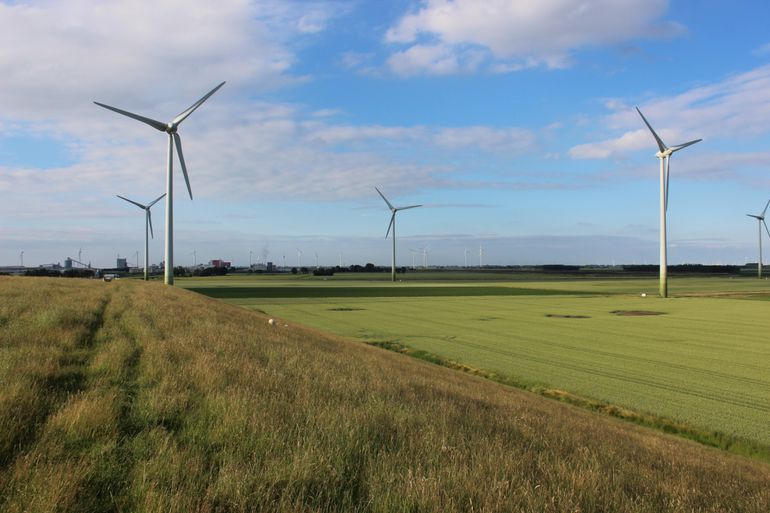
[[271, 322], [644, 294]]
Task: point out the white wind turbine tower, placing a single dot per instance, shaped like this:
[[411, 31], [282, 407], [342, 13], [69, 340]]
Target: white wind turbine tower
[[21, 256], [481, 256], [316, 259], [414, 252], [147, 229], [299, 258], [466, 256], [392, 224], [664, 154], [760, 221], [174, 139]]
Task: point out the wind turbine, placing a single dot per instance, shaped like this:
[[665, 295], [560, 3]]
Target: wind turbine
[[481, 256], [664, 154], [392, 224], [316, 260], [299, 258], [760, 221], [21, 256], [174, 139], [414, 252], [147, 229]]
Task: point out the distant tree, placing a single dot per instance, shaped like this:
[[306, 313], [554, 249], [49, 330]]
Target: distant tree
[[293, 270]]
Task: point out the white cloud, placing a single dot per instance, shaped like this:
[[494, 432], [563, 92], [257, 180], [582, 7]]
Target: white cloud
[[57, 56], [452, 36], [736, 108]]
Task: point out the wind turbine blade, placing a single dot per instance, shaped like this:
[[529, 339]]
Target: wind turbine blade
[[392, 221], [131, 201], [410, 206], [685, 145], [668, 163], [383, 197], [181, 117], [661, 145], [149, 219], [755, 217], [765, 210], [178, 143], [153, 123], [156, 200], [768, 231]]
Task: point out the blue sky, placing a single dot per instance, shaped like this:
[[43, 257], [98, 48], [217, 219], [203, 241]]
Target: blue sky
[[512, 121]]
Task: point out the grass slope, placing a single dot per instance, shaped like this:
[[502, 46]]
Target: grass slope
[[127, 396]]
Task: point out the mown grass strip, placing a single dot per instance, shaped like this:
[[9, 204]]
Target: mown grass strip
[[715, 439], [348, 292]]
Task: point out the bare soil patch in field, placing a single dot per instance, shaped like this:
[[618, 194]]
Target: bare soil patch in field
[[636, 313]]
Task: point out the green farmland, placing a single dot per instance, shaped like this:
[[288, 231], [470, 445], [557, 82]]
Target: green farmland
[[701, 359]]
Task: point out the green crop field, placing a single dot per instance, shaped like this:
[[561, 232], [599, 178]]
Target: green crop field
[[701, 359]]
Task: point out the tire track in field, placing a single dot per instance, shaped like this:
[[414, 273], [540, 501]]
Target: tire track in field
[[105, 490], [68, 379]]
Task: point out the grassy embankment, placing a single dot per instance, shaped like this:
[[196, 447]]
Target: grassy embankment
[[135, 397]]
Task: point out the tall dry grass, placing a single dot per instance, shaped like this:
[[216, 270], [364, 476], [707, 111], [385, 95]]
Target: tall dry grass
[[185, 404]]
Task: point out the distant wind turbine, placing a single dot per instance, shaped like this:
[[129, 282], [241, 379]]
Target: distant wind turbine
[[664, 154], [147, 229], [392, 225], [481, 256], [21, 256], [761, 221], [173, 140], [299, 258], [316, 259], [414, 252]]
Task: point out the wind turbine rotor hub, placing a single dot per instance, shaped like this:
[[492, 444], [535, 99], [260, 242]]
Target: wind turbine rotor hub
[[171, 128]]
